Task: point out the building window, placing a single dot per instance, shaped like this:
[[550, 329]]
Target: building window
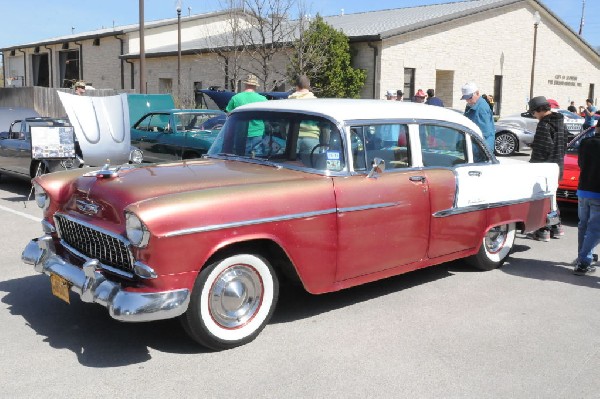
[[497, 94], [96, 42], [591, 92], [409, 83], [68, 67], [165, 86]]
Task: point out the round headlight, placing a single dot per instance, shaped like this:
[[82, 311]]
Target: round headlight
[[136, 156], [41, 198], [137, 233]]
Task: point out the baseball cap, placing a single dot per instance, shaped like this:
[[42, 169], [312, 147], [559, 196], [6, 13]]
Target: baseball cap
[[391, 93], [537, 102], [468, 90]]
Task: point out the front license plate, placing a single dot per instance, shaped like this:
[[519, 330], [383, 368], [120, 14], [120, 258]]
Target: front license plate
[[60, 287], [573, 127]]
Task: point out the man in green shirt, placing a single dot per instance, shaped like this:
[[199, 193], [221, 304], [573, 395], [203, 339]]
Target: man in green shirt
[[256, 128]]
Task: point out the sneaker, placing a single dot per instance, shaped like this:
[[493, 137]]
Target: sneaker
[[557, 231], [540, 235], [582, 270]]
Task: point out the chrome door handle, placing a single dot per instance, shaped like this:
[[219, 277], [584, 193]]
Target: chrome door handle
[[417, 178]]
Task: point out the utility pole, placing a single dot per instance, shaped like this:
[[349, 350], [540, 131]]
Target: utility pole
[[142, 50], [582, 18]]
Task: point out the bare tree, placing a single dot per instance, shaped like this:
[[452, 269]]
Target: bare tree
[[270, 34]]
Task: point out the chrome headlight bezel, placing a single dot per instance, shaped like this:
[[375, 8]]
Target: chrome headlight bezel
[[137, 232], [136, 156], [41, 197]]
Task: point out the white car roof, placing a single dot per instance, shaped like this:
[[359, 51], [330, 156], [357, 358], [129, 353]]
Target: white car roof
[[349, 109]]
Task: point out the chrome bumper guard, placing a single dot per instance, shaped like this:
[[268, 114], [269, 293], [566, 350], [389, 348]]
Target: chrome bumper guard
[[92, 286]]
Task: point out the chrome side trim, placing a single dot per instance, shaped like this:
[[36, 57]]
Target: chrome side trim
[[479, 207], [92, 287], [249, 222], [367, 207]]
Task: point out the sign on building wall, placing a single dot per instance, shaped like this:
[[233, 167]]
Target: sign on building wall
[[562, 80]]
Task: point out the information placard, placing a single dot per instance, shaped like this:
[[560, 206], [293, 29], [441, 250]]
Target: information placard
[[52, 142]]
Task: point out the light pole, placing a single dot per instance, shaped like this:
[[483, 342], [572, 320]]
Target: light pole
[[536, 22], [142, 50], [178, 50]]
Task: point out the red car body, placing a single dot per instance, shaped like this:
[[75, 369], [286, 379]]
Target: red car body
[[208, 239], [567, 186]]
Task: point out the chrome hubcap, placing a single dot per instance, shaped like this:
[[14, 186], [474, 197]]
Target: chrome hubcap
[[505, 144], [235, 296], [495, 238]]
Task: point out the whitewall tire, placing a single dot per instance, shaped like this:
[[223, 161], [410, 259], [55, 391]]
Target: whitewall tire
[[232, 301], [495, 247]]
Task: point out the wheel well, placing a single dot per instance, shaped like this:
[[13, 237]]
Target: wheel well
[[191, 154], [267, 249]]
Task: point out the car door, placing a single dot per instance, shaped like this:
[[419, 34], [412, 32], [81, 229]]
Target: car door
[[383, 221], [15, 152], [154, 135]]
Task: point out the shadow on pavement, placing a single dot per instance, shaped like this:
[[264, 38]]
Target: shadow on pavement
[[87, 330], [21, 188], [99, 341], [550, 271]]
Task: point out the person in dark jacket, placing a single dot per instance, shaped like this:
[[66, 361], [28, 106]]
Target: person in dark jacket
[[588, 193], [432, 99], [549, 145]]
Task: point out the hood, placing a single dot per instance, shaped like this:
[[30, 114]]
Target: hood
[[571, 162], [101, 125], [135, 187]]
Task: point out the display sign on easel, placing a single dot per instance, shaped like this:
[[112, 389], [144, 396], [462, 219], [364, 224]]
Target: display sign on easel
[[52, 142]]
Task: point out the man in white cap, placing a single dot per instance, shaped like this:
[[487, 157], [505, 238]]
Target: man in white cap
[[391, 94], [479, 111]]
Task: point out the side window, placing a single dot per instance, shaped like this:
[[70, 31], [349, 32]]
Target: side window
[[479, 154], [442, 146], [159, 123], [386, 141]]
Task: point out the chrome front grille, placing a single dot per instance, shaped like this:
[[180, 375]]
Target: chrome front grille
[[109, 249]]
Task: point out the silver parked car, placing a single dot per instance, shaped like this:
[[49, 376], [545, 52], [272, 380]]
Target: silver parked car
[[525, 120], [511, 138]]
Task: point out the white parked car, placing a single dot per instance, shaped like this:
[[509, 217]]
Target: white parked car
[[525, 120]]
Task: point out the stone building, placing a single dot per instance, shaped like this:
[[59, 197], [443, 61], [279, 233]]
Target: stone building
[[442, 46]]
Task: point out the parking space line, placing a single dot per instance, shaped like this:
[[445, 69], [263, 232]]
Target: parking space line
[[35, 219]]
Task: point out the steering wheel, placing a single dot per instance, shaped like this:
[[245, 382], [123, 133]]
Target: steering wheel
[[312, 153]]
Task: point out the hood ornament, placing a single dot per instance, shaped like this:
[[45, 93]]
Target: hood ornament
[[87, 207]]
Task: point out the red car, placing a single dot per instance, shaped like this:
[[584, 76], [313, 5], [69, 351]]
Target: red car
[[328, 194], [567, 187]]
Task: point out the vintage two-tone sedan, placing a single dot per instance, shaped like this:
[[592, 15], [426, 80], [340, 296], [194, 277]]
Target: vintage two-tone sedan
[[327, 193]]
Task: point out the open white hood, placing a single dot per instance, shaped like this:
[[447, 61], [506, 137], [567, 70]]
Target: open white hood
[[101, 125]]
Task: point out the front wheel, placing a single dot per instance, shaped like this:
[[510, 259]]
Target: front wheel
[[232, 301], [506, 144], [495, 247]]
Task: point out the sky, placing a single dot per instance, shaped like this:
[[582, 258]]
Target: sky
[[43, 19]]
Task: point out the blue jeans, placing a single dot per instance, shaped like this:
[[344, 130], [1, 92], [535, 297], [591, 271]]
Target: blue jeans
[[588, 229]]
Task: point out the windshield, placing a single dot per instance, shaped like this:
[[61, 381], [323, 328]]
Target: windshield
[[283, 138]]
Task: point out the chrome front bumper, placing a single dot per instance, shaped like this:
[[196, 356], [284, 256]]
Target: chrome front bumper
[[92, 286]]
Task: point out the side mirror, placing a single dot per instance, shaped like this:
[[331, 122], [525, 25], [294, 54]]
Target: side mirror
[[378, 166]]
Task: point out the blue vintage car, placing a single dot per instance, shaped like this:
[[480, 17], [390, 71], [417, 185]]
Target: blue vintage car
[[176, 134]]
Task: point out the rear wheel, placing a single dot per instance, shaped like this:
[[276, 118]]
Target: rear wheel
[[506, 144], [495, 247], [232, 301]]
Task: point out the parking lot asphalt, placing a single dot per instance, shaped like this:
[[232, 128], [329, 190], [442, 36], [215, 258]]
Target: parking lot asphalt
[[527, 329]]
